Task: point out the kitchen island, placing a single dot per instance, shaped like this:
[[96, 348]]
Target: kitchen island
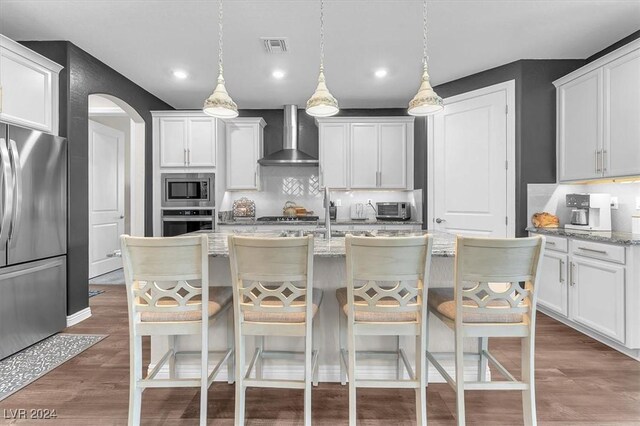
[[329, 274]]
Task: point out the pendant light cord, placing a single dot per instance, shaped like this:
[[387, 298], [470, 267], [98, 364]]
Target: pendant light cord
[[321, 35], [220, 44], [424, 34]]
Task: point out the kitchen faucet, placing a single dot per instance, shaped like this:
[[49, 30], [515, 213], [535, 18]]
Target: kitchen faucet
[[327, 216]]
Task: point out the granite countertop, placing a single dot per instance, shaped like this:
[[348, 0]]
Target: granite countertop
[[318, 222], [443, 244], [613, 237]]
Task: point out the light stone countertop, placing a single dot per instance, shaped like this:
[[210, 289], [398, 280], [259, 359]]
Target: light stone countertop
[[443, 244], [613, 237], [316, 222]]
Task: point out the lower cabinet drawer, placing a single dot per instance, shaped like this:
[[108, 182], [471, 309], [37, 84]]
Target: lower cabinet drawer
[[608, 252], [556, 243]]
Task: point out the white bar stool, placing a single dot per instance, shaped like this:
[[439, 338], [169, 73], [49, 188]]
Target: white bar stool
[[385, 296], [167, 279], [488, 301], [272, 279]]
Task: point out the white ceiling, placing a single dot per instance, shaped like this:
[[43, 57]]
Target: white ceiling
[[147, 39]]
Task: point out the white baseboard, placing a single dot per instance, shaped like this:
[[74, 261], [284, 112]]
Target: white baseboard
[[78, 317], [326, 373]]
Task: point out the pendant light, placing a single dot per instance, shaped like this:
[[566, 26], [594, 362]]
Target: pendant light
[[426, 101], [220, 104], [322, 103]]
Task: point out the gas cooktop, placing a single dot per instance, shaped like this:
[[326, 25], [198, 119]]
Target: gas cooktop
[[288, 219]]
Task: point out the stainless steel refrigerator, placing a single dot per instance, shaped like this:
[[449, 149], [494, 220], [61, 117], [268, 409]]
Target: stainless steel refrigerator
[[33, 236]]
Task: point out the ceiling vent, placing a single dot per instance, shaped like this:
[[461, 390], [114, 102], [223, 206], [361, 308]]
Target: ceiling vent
[[275, 44]]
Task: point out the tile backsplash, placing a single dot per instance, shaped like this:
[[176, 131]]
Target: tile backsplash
[[551, 198], [302, 186]]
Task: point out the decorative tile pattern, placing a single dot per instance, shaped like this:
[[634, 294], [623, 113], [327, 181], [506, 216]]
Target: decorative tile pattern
[[28, 365]]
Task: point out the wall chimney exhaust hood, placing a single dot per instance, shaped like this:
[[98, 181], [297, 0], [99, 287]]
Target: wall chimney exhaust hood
[[289, 155]]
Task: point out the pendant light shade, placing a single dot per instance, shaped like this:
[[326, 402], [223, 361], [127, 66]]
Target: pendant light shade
[[426, 101], [322, 103], [220, 104]]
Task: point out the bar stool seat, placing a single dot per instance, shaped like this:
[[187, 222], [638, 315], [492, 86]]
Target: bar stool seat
[[288, 317], [367, 316], [443, 301], [219, 297]]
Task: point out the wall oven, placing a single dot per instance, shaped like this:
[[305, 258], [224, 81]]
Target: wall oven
[[178, 222], [188, 190]]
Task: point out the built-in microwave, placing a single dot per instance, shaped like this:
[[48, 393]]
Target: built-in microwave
[[188, 190], [393, 211]]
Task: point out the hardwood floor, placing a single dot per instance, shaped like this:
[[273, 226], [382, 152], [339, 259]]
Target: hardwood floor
[[579, 381]]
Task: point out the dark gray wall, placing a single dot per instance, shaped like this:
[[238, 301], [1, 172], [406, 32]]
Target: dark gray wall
[[85, 75], [614, 46], [535, 119]]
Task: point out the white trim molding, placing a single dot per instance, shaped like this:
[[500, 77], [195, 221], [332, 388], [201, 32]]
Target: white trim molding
[[78, 317]]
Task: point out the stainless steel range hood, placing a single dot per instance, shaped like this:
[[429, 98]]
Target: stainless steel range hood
[[289, 155]]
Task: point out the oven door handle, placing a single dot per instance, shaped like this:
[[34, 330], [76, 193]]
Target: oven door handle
[[188, 219]]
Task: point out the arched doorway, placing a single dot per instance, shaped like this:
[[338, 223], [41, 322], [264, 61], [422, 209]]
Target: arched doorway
[[116, 142]]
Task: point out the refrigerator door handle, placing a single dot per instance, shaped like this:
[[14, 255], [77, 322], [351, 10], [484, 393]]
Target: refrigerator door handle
[[7, 194], [17, 185]]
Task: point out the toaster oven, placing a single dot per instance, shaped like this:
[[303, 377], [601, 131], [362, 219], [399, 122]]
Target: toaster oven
[[393, 211]]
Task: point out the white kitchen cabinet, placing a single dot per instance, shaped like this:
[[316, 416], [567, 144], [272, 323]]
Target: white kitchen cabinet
[[333, 155], [366, 152], [598, 296], [553, 286], [187, 141], [29, 83], [621, 144], [244, 149], [392, 155], [364, 155], [580, 127], [598, 107]]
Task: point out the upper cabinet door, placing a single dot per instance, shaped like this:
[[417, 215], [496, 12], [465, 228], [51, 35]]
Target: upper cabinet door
[[29, 87], [243, 152], [392, 156], [173, 142], [333, 152], [201, 149], [580, 127], [364, 155], [621, 153]]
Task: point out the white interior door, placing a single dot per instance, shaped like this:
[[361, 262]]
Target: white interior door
[[106, 197], [471, 187]]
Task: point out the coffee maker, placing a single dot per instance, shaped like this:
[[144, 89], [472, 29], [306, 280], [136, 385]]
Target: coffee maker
[[589, 212]]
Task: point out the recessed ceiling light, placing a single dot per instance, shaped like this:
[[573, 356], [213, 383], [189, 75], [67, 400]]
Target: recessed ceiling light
[[381, 73], [180, 74], [278, 74]]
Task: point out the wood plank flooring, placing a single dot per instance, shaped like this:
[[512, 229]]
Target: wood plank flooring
[[579, 382]]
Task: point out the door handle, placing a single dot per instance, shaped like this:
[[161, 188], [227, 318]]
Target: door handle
[[604, 160], [115, 253], [7, 195], [597, 154], [572, 271], [438, 220], [592, 250], [121, 217], [185, 157], [561, 268], [17, 186], [188, 156]]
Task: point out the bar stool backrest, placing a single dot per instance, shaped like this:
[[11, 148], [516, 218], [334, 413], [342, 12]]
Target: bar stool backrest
[[165, 275], [272, 275], [489, 273], [387, 274]]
